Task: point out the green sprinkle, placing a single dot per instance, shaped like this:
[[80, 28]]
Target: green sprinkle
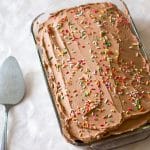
[[103, 53], [50, 58], [65, 51], [113, 20], [83, 33], [103, 33], [86, 93], [100, 69], [109, 59], [138, 104], [108, 44], [59, 26], [62, 97], [58, 67], [88, 70], [103, 16], [117, 83], [69, 23], [80, 13]]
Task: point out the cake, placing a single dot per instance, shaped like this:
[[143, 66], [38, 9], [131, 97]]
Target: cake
[[97, 75]]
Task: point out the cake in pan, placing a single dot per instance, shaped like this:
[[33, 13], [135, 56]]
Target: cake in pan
[[98, 78]]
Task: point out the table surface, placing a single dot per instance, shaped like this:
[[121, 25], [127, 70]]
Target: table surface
[[32, 123]]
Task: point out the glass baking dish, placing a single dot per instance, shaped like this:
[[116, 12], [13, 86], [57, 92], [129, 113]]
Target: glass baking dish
[[112, 142]]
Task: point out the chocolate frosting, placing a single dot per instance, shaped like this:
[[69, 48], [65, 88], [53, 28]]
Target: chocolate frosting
[[99, 80]]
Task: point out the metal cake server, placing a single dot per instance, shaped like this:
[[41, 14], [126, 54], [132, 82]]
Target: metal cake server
[[12, 89]]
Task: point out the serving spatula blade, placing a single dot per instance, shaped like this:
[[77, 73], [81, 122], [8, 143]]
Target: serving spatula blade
[[12, 89], [12, 86]]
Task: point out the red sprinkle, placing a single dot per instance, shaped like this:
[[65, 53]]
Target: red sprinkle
[[130, 109]]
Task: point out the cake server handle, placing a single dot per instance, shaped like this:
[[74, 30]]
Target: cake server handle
[[4, 137]]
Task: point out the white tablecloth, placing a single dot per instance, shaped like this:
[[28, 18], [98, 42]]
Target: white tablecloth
[[32, 123]]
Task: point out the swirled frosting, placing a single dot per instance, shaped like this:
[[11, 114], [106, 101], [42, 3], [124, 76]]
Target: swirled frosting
[[99, 80]]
